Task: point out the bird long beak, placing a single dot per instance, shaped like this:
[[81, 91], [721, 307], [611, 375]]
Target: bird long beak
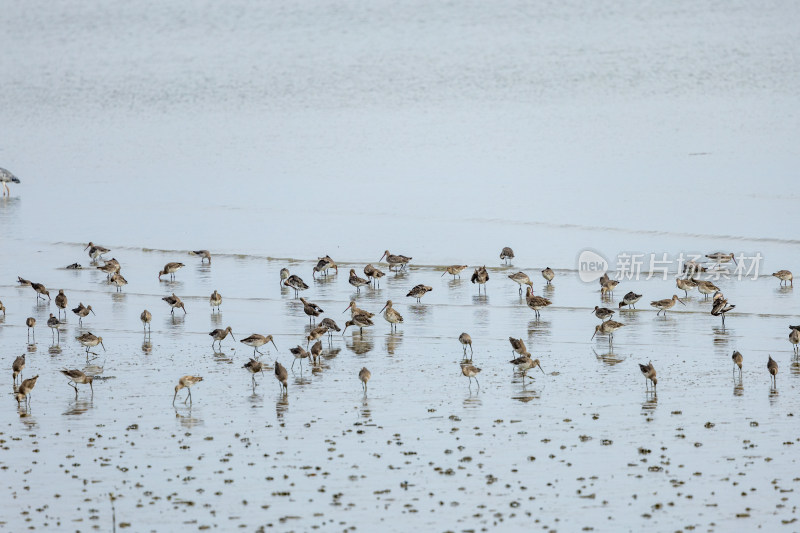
[[348, 307], [103, 345], [384, 255], [384, 307], [593, 334], [232, 337], [173, 398], [443, 273], [345, 329], [681, 301], [273, 343], [542, 369], [92, 311], [184, 309]]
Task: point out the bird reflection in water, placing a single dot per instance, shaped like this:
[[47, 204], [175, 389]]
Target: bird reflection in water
[[538, 328], [330, 353], [473, 400], [78, 407], [773, 395], [651, 401], [393, 341], [419, 310], [526, 394], [184, 416], [282, 406], [359, 343], [480, 299], [364, 411], [609, 358], [721, 335]]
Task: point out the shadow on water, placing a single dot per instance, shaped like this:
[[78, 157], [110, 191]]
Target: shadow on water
[[393, 341]]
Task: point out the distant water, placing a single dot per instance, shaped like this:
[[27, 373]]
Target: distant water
[[435, 130], [272, 134]]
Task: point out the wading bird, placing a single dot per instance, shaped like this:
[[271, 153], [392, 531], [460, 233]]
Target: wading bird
[[186, 382]]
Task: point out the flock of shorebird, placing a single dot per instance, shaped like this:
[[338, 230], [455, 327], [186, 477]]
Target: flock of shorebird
[[361, 319]]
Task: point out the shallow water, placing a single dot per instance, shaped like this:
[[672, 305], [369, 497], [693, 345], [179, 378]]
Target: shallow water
[[421, 440], [274, 134]]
